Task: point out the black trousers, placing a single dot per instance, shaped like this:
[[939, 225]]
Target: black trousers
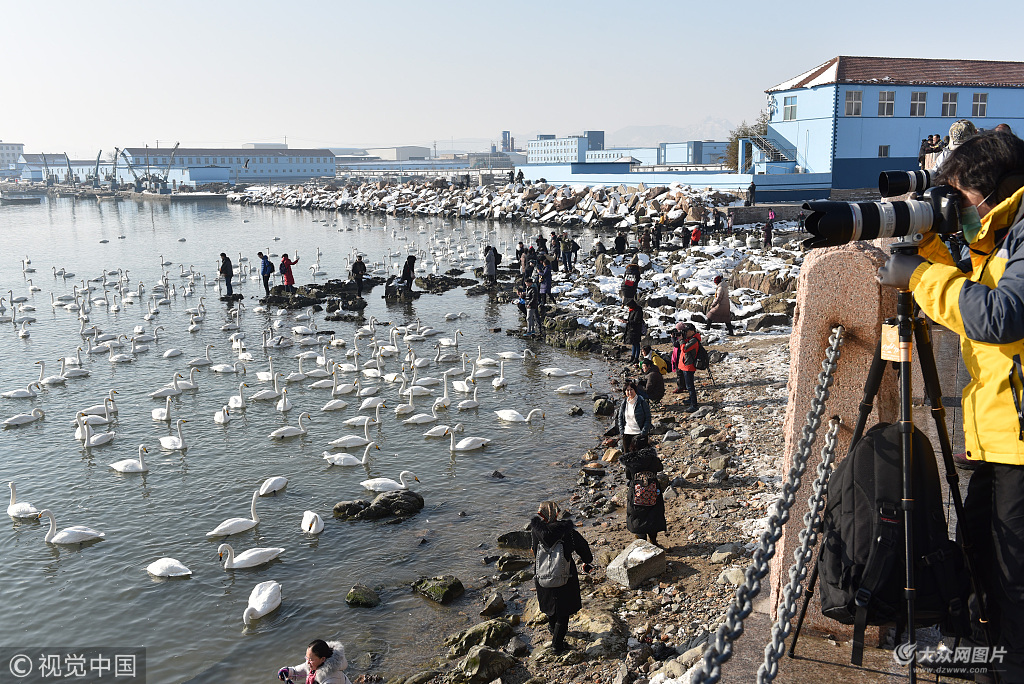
[[633, 442], [266, 283], [359, 286], [994, 522]]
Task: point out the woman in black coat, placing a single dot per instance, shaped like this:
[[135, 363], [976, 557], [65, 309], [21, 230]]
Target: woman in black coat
[[559, 603], [644, 521], [634, 333]]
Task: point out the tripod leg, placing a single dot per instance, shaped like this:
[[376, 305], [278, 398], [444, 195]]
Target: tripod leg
[[812, 581], [871, 385], [933, 390], [905, 326]]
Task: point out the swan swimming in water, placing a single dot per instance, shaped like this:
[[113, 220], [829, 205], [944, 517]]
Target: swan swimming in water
[[468, 443], [349, 441], [24, 418], [291, 430], [272, 485], [510, 416], [162, 415], [20, 510], [172, 443], [249, 558], [168, 567], [312, 523], [236, 525], [264, 599], [76, 534], [383, 484], [348, 459], [132, 465]]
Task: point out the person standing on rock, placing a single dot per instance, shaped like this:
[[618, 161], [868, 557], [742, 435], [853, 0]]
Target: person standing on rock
[[645, 502], [228, 271], [490, 265], [558, 592], [532, 301], [542, 244], [721, 308], [266, 270], [729, 224], [544, 278], [286, 272], [358, 271], [631, 281], [634, 333], [695, 236], [325, 664], [656, 233], [634, 418], [684, 361], [620, 243], [556, 250], [751, 194], [409, 272], [766, 234]]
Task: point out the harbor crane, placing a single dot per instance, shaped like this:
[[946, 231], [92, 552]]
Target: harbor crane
[[96, 171], [128, 163], [113, 174], [47, 178], [170, 162], [70, 180]]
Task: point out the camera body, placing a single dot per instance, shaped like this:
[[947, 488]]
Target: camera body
[[934, 209]]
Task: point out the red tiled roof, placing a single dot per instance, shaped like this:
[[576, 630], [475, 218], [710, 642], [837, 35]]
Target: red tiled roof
[[913, 71]]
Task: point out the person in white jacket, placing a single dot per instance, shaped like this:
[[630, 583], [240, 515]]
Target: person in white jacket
[[325, 664]]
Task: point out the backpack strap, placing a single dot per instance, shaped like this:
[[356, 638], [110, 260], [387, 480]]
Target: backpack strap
[[877, 568]]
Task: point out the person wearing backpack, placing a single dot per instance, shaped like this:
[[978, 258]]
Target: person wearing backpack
[[721, 307], [556, 579], [358, 272], [266, 270], [645, 503], [684, 360]]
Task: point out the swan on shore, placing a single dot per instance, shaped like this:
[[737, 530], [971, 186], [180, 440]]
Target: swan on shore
[[383, 484]]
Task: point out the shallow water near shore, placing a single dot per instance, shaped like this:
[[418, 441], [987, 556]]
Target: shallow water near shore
[[100, 593]]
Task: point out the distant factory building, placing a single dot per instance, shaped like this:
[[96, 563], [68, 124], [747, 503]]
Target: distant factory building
[[247, 165], [853, 117], [548, 149], [401, 153], [10, 153], [36, 167]]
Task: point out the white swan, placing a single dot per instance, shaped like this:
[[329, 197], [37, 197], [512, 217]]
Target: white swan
[[52, 380], [20, 510], [445, 401], [561, 373], [91, 439], [331, 384], [228, 367], [468, 443], [172, 391], [119, 358], [222, 417], [70, 373], [162, 415], [470, 403], [284, 405], [172, 352], [422, 418], [76, 534], [510, 416], [349, 441], [102, 409], [485, 361], [298, 376], [131, 465], [291, 430], [168, 567], [264, 599], [451, 341], [383, 484], [24, 418], [237, 401], [573, 389], [268, 394], [508, 355], [249, 558], [442, 430], [403, 409], [236, 525], [191, 383], [172, 443], [366, 420], [26, 393], [312, 523], [267, 376], [272, 485], [203, 361], [348, 459]]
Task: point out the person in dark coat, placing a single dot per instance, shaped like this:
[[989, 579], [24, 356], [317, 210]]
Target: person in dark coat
[[542, 244], [228, 271], [651, 383], [559, 603], [644, 521], [358, 271], [544, 279], [599, 248], [634, 333], [266, 270], [631, 280], [633, 418], [409, 272], [620, 243]]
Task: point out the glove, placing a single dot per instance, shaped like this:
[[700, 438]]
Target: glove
[[282, 674], [897, 270]]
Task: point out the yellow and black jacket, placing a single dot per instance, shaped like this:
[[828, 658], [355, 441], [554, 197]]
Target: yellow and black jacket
[[986, 308]]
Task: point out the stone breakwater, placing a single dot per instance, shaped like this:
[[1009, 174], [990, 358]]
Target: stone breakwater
[[557, 205]]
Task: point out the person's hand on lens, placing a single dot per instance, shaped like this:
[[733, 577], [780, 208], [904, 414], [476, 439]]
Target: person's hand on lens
[[897, 270], [282, 674]]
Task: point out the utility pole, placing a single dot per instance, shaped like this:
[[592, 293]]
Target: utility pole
[[435, 149]]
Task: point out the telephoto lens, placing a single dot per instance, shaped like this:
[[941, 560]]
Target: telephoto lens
[[837, 223], [894, 183]]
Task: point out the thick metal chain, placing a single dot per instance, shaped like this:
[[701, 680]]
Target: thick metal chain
[[720, 648], [775, 649]]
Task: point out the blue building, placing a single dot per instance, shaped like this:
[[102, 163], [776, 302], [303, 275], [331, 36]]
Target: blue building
[[248, 165], [853, 117]]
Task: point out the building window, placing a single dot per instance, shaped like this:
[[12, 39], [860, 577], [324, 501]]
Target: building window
[[883, 150], [980, 106], [887, 103], [853, 102], [949, 104], [789, 108], [918, 103]]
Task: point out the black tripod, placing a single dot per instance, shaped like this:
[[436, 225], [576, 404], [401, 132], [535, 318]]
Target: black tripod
[[909, 327]]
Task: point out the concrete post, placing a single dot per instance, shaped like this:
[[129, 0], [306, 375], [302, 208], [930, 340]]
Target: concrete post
[[837, 287]]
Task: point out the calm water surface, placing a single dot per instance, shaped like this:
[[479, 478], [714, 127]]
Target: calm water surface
[[101, 593]]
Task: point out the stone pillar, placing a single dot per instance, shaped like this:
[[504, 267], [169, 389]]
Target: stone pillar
[[837, 287]]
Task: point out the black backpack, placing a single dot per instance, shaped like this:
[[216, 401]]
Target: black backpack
[[702, 361], [861, 564]]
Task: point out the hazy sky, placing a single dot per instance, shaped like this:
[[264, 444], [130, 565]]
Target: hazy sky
[[80, 76]]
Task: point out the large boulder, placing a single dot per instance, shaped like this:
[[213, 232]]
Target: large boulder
[[363, 596], [400, 504], [520, 539], [492, 633], [601, 264], [442, 589], [637, 563], [483, 665]]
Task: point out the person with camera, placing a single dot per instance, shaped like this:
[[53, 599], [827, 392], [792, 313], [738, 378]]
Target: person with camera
[[633, 418], [325, 664], [985, 307], [560, 602], [685, 344]]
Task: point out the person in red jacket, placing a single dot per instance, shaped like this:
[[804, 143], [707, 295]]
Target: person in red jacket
[[286, 271], [684, 358]]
